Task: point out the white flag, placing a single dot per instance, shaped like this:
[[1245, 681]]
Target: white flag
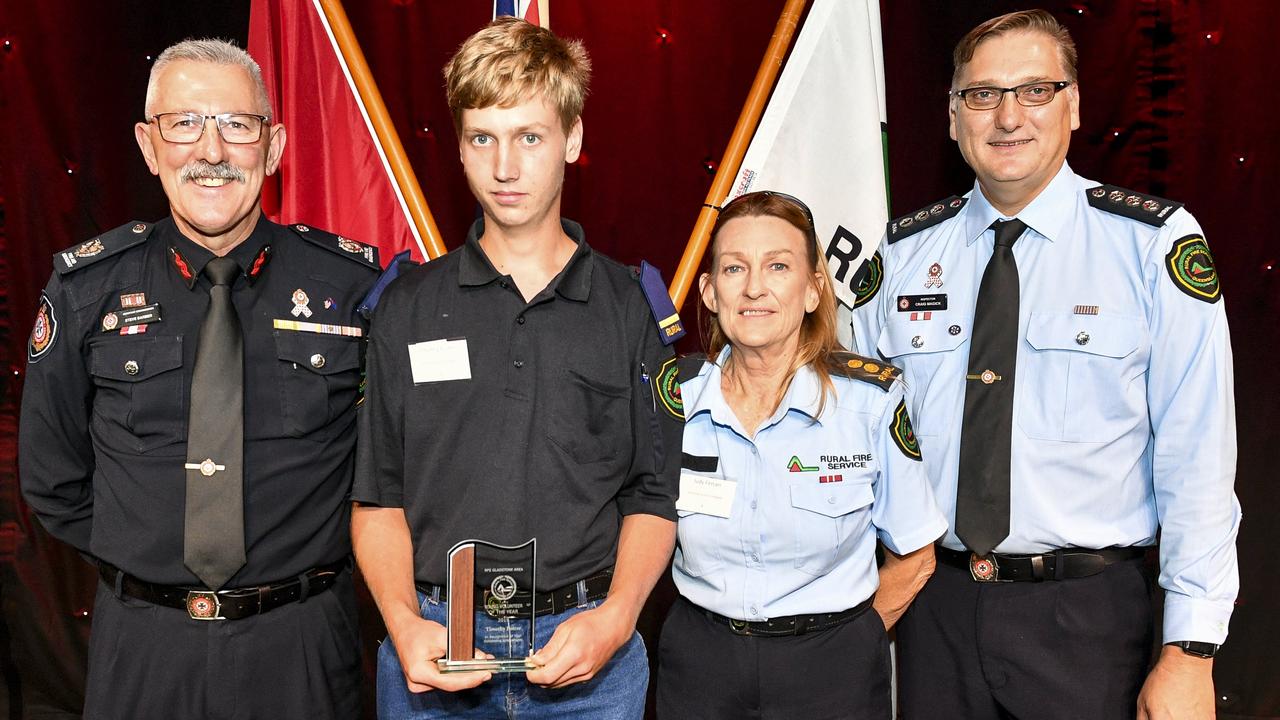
[[821, 140]]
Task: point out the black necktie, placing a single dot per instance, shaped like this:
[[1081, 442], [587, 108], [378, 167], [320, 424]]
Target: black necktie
[[213, 536], [982, 492]]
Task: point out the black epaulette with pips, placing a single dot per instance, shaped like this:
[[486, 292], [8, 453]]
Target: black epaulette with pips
[[346, 247], [103, 246], [858, 367], [925, 217], [1149, 209]]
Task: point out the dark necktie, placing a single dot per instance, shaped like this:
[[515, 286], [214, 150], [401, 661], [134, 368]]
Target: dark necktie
[[982, 492], [213, 536]]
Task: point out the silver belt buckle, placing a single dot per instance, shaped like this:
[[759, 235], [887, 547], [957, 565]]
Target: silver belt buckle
[[984, 568], [204, 605]]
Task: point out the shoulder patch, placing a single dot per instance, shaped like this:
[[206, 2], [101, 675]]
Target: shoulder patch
[[668, 388], [1149, 209], [868, 284], [359, 252], [670, 328], [1190, 266], [44, 332], [857, 367], [104, 246], [925, 217], [903, 436]]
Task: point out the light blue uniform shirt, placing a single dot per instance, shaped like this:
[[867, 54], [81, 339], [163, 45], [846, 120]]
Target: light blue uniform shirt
[[813, 493], [1123, 415]]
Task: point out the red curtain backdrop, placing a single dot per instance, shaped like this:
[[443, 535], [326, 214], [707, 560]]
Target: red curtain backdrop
[[1175, 101]]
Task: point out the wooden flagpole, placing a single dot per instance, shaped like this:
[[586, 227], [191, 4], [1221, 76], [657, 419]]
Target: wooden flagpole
[[729, 164], [384, 128]]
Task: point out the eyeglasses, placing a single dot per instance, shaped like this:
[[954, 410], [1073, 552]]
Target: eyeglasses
[[808, 214], [185, 128], [1028, 94]]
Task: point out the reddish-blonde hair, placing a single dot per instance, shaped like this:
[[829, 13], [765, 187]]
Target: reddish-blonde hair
[[818, 341]]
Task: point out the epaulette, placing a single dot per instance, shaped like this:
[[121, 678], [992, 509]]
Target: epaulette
[[359, 252], [1149, 209], [690, 366], [925, 217], [857, 367], [670, 329], [400, 263], [104, 246]]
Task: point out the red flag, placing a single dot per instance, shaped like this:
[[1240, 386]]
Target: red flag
[[334, 173]]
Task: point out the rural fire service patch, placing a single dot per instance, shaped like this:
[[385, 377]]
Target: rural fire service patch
[[903, 436], [1191, 268], [44, 331], [668, 381]]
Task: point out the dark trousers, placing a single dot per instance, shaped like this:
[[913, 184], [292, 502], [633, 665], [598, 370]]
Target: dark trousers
[[297, 661], [1075, 648], [706, 672]]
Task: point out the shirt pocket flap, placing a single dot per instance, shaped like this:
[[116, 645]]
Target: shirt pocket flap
[[135, 360], [1108, 336], [831, 499], [319, 353], [925, 336]]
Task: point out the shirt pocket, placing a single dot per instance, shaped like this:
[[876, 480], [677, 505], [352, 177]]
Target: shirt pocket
[[697, 542], [140, 400], [590, 418], [825, 516], [319, 381], [920, 348], [1082, 379]]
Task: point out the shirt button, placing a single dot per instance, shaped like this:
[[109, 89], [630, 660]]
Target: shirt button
[[755, 558], [131, 367], [504, 284], [520, 320], [317, 361], [753, 610], [518, 363], [917, 342], [831, 501], [753, 504], [1082, 338]]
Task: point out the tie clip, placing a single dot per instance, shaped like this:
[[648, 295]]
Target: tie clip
[[207, 467], [986, 376]]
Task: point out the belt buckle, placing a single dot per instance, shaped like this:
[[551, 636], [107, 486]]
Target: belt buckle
[[738, 626], [204, 605], [984, 568]]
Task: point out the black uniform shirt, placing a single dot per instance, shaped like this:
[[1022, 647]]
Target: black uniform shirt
[[104, 413], [557, 434]]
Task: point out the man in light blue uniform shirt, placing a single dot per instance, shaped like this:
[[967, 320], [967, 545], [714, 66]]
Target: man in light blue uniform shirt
[[1122, 422]]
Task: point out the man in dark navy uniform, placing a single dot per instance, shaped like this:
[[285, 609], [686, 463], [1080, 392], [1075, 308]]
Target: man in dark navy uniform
[[188, 422]]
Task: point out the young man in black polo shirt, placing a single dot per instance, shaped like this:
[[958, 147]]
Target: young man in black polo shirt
[[514, 393]]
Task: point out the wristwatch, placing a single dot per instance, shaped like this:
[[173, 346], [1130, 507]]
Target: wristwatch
[[1197, 648]]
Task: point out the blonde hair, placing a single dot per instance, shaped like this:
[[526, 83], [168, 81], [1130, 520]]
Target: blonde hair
[[1023, 21], [511, 60], [818, 340]]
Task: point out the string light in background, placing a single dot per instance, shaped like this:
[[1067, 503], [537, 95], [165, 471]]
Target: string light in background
[[664, 36]]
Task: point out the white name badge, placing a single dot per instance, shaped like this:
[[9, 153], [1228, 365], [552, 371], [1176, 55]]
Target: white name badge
[[439, 360], [705, 494]]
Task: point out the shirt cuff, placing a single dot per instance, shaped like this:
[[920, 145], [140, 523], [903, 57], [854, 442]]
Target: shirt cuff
[[902, 543], [377, 499], [664, 508], [1197, 619]]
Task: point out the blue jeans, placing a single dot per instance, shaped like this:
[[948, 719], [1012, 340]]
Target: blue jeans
[[617, 692]]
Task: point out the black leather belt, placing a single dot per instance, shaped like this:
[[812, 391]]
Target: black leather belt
[[1065, 564], [553, 602], [790, 625], [225, 604]]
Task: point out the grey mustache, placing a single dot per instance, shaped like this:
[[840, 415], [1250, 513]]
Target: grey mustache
[[202, 169]]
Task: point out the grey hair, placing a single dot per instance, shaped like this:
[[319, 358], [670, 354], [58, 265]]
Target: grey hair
[[209, 50]]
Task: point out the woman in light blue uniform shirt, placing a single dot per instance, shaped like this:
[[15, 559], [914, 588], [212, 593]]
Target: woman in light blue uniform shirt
[[798, 457]]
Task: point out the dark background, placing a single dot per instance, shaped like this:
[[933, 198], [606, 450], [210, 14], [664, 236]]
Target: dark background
[[1178, 99]]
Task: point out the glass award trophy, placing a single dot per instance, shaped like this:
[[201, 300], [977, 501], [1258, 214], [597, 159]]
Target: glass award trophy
[[504, 578]]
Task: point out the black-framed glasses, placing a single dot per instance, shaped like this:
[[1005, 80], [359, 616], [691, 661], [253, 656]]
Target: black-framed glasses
[[1028, 94], [808, 214], [185, 128]]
